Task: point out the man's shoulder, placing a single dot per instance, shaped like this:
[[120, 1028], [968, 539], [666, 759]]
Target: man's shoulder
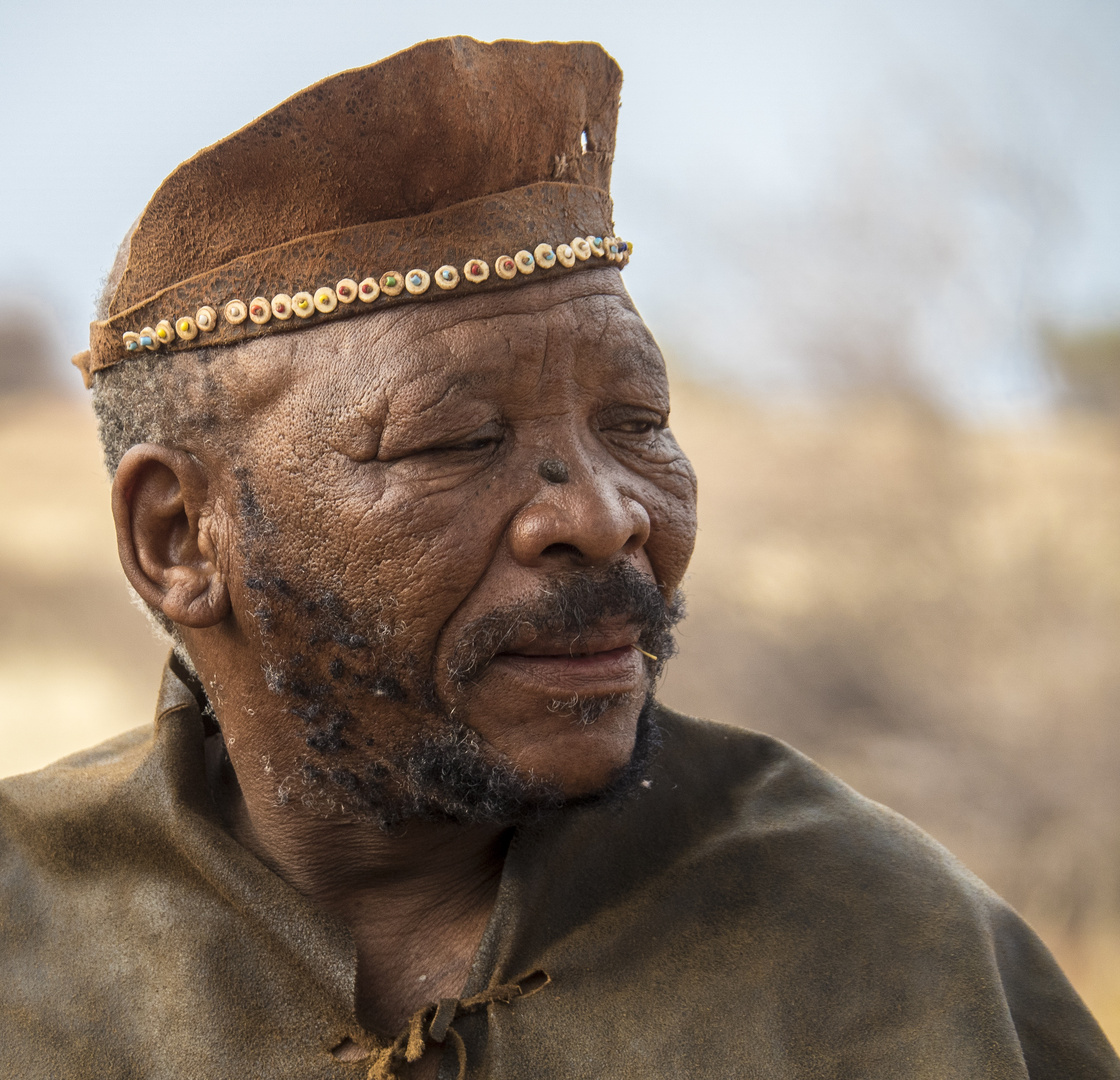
[[46, 810], [78, 774], [113, 788], [748, 910], [744, 795]]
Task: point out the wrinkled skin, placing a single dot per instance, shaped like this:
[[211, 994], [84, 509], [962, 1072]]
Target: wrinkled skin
[[393, 461]]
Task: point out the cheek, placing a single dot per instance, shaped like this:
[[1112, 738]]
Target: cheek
[[418, 548], [671, 505]]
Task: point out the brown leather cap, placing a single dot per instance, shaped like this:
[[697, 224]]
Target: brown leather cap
[[420, 176]]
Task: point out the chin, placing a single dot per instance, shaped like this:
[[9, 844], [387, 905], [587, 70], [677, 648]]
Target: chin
[[578, 745]]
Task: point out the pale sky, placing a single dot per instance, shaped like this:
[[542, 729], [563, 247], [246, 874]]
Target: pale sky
[[803, 181]]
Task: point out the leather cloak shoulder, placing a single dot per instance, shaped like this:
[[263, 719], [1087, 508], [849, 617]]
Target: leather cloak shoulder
[[747, 915]]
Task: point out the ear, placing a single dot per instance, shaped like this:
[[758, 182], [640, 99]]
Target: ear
[[163, 538]]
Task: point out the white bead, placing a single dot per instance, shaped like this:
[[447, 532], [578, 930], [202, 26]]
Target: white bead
[[581, 248], [417, 281], [236, 312], [566, 255], [447, 277], [398, 282], [469, 271], [206, 317]]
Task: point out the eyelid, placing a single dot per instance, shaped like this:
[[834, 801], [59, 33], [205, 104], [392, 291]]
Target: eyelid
[[492, 429], [636, 414]]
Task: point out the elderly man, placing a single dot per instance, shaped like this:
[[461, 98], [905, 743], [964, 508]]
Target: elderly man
[[392, 466]]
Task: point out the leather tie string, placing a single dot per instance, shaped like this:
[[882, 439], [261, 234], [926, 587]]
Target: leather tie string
[[432, 1026]]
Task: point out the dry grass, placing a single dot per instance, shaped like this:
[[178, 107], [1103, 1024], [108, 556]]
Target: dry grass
[[932, 613]]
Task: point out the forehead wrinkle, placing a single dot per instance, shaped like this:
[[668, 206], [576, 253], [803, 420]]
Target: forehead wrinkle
[[527, 337]]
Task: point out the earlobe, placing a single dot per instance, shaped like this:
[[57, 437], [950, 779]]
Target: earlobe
[[164, 538]]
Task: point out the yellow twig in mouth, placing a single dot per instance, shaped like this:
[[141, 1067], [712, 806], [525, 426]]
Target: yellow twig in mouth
[[644, 653]]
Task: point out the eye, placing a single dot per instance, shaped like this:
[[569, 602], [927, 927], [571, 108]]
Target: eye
[[637, 427], [485, 438], [482, 442], [634, 422]]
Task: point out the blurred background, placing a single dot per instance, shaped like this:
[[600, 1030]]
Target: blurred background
[[880, 243]]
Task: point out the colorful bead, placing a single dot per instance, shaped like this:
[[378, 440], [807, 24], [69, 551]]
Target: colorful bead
[[417, 282], [596, 243], [392, 283], [282, 306], [131, 340], [148, 339], [506, 267], [165, 332], [581, 248], [346, 290], [325, 300], [236, 312], [186, 328], [566, 255], [447, 277], [206, 317], [369, 290], [476, 270], [525, 262], [260, 310], [303, 304], [544, 255]]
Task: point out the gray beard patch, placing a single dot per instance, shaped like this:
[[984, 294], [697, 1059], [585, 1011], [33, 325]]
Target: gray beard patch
[[442, 771]]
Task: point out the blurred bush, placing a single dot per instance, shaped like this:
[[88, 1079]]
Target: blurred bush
[[29, 352], [1088, 364]]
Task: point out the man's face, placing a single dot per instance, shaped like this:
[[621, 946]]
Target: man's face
[[463, 515]]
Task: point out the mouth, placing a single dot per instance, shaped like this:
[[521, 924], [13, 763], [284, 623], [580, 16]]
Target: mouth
[[598, 663]]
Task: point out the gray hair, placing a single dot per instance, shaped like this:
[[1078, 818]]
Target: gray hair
[[156, 399]]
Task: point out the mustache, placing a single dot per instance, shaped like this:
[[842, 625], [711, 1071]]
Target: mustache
[[572, 604]]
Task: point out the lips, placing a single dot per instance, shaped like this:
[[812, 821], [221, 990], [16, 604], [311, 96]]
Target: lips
[[601, 661]]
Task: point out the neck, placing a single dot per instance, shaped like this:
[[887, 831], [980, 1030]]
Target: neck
[[416, 901]]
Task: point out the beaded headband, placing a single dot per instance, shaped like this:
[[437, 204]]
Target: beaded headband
[[325, 300]]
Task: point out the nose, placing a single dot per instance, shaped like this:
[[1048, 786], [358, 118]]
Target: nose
[[586, 521]]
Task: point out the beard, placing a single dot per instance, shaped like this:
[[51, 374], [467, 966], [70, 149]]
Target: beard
[[433, 766]]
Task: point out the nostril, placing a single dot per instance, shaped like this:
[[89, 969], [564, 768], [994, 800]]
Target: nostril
[[633, 544], [566, 551]]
